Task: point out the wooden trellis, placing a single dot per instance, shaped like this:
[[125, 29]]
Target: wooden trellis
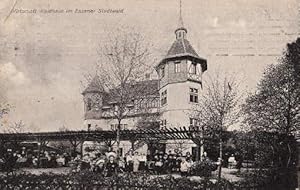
[[192, 133]]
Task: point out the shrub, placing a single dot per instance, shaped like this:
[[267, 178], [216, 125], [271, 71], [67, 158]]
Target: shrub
[[90, 180], [203, 168], [269, 178]]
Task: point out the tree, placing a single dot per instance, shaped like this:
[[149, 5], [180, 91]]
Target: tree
[[218, 109], [16, 127], [4, 109], [275, 107], [273, 114], [124, 61]]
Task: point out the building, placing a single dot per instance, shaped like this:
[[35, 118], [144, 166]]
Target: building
[[170, 99]]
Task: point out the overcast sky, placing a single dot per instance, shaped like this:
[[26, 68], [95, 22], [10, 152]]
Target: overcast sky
[[43, 56]]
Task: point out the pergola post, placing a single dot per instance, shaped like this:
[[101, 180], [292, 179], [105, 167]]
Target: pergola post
[[200, 149], [81, 149], [74, 144]]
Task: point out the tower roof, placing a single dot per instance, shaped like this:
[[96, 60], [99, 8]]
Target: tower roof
[[94, 86], [181, 47]]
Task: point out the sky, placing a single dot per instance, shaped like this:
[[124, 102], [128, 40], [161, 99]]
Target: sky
[[44, 56]]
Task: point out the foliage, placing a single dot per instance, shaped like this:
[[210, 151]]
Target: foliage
[[272, 178], [211, 145], [218, 109], [276, 104], [203, 168], [90, 180], [273, 115], [275, 160]]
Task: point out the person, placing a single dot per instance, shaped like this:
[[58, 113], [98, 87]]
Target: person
[[121, 164], [10, 160], [204, 158], [111, 166], [149, 157], [231, 161], [85, 162], [129, 161], [52, 162], [173, 166], [143, 160], [164, 167], [178, 162], [20, 160], [169, 163], [29, 160], [184, 167], [35, 161], [189, 163], [99, 164], [67, 158], [188, 155], [159, 165], [136, 162]]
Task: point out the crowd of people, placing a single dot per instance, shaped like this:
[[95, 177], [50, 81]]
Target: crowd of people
[[158, 163], [27, 158], [106, 163]]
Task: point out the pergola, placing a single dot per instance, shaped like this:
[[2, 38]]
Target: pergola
[[77, 138]]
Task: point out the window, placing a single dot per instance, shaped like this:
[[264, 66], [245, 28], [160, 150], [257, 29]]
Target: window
[[163, 98], [177, 67], [194, 122], [194, 95], [162, 71], [89, 104], [163, 123], [193, 69], [89, 126], [114, 127]]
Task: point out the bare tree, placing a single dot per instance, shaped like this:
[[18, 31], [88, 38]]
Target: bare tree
[[218, 108], [63, 128], [4, 109], [16, 127], [123, 62]]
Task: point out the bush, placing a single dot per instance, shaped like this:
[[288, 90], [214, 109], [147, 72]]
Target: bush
[[90, 180], [270, 178], [203, 168]]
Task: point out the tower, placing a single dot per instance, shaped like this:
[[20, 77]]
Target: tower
[[93, 100], [180, 80]]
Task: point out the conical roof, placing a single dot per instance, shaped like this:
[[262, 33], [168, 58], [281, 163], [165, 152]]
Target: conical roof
[[181, 47]]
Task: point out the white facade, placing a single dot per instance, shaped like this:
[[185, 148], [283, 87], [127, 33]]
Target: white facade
[[179, 109], [179, 87]]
